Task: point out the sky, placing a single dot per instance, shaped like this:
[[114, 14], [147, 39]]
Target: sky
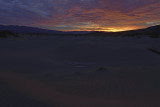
[[81, 15]]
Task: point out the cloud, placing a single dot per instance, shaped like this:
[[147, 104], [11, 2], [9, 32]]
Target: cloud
[[81, 14]]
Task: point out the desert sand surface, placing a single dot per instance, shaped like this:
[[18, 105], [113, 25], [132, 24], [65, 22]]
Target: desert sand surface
[[44, 93], [73, 71]]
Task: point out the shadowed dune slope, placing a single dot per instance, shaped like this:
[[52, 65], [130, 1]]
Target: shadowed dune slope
[[44, 92]]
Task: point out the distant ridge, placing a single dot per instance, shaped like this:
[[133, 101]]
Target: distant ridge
[[34, 30], [153, 31]]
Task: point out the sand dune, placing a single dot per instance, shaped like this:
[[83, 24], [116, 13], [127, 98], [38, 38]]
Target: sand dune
[[70, 71], [38, 90]]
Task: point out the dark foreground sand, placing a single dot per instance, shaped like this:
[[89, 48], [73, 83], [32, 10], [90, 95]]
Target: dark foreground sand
[[68, 71], [36, 93]]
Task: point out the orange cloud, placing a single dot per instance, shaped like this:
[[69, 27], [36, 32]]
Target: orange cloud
[[98, 18], [83, 14]]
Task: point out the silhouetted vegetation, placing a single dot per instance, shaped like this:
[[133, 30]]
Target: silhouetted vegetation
[[6, 34]]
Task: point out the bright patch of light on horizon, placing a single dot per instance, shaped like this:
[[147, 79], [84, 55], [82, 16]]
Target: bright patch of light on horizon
[[119, 29]]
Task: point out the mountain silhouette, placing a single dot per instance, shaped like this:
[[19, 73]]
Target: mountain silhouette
[[153, 31], [34, 30]]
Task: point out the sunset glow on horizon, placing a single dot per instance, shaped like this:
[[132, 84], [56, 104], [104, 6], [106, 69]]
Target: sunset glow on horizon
[[113, 29], [81, 15], [120, 29]]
